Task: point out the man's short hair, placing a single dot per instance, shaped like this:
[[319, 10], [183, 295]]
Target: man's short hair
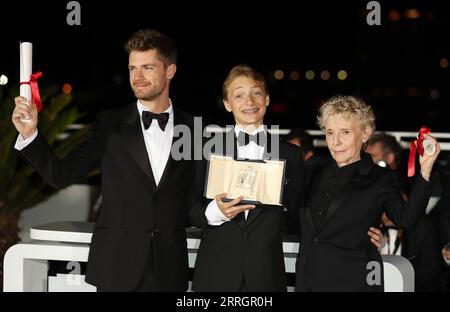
[[149, 39], [389, 144], [306, 140]]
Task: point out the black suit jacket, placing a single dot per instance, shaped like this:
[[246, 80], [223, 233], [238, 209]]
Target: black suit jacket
[[251, 249], [335, 256], [137, 218]]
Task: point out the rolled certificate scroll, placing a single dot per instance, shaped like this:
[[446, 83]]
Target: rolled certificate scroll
[[428, 147], [26, 66]]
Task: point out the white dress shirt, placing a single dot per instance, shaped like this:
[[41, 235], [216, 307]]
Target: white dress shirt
[[250, 151], [21, 143], [157, 142]]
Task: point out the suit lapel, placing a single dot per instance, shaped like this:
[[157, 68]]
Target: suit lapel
[[134, 140], [170, 162], [312, 190], [235, 145], [268, 146]]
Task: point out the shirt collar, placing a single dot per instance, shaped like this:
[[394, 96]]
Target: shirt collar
[[363, 166], [238, 129], [349, 169]]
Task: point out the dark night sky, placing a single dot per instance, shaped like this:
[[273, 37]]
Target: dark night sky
[[393, 66]]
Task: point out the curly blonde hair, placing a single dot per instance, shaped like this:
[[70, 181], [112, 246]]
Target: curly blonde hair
[[347, 106], [149, 39]]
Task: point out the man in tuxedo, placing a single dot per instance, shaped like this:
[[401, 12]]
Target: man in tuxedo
[[241, 247], [139, 241]]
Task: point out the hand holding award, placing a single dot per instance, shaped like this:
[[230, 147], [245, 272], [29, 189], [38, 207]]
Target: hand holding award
[[428, 150], [28, 81]]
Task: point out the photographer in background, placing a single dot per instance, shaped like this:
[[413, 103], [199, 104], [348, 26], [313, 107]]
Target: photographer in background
[[421, 244]]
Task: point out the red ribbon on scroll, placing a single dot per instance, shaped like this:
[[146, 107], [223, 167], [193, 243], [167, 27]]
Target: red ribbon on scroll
[[35, 96], [416, 145]]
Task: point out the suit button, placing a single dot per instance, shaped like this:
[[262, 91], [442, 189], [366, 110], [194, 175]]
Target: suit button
[[245, 235], [315, 239]]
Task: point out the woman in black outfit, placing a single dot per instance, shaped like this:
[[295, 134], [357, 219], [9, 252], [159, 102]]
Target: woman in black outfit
[[346, 196]]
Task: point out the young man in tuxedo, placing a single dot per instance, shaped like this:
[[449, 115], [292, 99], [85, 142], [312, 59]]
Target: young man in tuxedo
[[241, 247], [139, 241]]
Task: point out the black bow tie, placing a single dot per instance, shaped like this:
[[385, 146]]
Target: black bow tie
[[162, 119], [245, 138]]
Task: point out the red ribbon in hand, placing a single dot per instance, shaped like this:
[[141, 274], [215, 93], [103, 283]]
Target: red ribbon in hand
[[35, 96], [416, 145]]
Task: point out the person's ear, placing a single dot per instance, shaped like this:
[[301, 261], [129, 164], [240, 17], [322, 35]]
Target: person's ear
[[170, 71], [267, 100], [227, 105], [367, 132]]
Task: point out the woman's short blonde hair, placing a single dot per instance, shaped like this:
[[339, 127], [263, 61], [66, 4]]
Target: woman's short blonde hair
[[347, 106]]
